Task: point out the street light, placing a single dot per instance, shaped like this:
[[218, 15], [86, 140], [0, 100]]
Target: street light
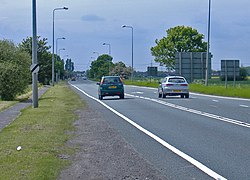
[[96, 53], [53, 43], [62, 49], [63, 38], [208, 41], [106, 44], [132, 51]]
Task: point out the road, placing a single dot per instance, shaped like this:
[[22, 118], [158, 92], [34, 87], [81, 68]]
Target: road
[[202, 137]]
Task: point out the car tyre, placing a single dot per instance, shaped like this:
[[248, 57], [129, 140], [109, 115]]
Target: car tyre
[[122, 96], [100, 97], [187, 96], [164, 95], [159, 95], [182, 96]]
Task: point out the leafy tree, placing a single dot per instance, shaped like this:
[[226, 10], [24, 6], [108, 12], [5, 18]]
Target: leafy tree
[[179, 39], [43, 57], [121, 69], [14, 70], [101, 66], [243, 73]]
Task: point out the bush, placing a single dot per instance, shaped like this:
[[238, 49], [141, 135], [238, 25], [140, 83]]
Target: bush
[[14, 70], [12, 81]]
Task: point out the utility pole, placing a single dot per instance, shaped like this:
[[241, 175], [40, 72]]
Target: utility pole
[[34, 58]]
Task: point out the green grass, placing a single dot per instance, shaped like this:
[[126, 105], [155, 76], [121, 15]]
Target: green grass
[[41, 133], [216, 87], [241, 91]]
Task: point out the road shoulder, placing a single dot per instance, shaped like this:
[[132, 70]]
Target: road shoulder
[[103, 153]]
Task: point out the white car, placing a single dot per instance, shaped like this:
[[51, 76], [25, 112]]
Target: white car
[[173, 86]]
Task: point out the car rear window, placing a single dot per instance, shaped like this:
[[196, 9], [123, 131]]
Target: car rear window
[[112, 80], [176, 80]]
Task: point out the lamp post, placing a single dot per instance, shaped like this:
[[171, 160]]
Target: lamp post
[[62, 49], [63, 38], [208, 41], [132, 51], [53, 43], [96, 53], [34, 56], [106, 44], [58, 72]]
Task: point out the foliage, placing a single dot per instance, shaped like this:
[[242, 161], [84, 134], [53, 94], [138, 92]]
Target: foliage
[[14, 70], [43, 58], [104, 66], [121, 69], [179, 39], [101, 66], [243, 73]]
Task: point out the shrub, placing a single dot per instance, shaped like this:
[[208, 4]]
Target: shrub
[[14, 70]]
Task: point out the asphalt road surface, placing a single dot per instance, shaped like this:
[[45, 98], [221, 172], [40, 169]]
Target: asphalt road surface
[[201, 137]]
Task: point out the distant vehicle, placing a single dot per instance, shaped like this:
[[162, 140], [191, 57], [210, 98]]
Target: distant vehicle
[[173, 86], [84, 78], [110, 86], [73, 79]]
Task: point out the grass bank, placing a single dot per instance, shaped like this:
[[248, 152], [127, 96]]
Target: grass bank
[[41, 134]]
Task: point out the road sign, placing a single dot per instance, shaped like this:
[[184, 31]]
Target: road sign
[[34, 68]]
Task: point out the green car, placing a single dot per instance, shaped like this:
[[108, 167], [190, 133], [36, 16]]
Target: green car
[[110, 86]]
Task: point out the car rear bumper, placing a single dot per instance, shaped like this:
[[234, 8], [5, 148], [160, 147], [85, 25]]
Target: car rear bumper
[[112, 93]]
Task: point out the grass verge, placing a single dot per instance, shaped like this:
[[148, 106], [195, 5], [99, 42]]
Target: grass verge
[[41, 134], [216, 87]]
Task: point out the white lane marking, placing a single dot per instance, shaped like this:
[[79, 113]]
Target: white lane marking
[[220, 118], [244, 106], [137, 92], [197, 94], [215, 100], [196, 163]]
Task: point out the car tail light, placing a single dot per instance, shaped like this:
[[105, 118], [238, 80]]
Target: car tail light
[[169, 84]]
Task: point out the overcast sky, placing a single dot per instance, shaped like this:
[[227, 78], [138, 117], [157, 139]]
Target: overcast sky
[[90, 23]]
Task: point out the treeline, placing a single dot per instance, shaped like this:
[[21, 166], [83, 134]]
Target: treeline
[[15, 62], [103, 66]]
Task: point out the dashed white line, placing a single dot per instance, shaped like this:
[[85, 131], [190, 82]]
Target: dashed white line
[[215, 100], [244, 106], [196, 163], [213, 116]]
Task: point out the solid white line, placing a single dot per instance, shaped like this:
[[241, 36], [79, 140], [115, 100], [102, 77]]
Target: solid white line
[[196, 163], [220, 118]]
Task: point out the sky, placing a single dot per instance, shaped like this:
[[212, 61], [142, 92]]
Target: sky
[[87, 24]]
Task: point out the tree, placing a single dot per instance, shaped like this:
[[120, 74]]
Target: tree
[[43, 57], [120, 69], [179, 39], [243, 73], [15, 74], [101, 67]]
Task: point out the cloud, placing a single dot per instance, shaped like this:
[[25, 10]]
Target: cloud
[[92, 18]]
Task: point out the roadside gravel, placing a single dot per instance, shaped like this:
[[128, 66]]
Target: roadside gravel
[[103, 153]]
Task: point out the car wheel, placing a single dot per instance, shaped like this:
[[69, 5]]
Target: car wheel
[[164, 95], [100, 97], [159, 95], [182, 96], [187, 96], [122, 96]]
